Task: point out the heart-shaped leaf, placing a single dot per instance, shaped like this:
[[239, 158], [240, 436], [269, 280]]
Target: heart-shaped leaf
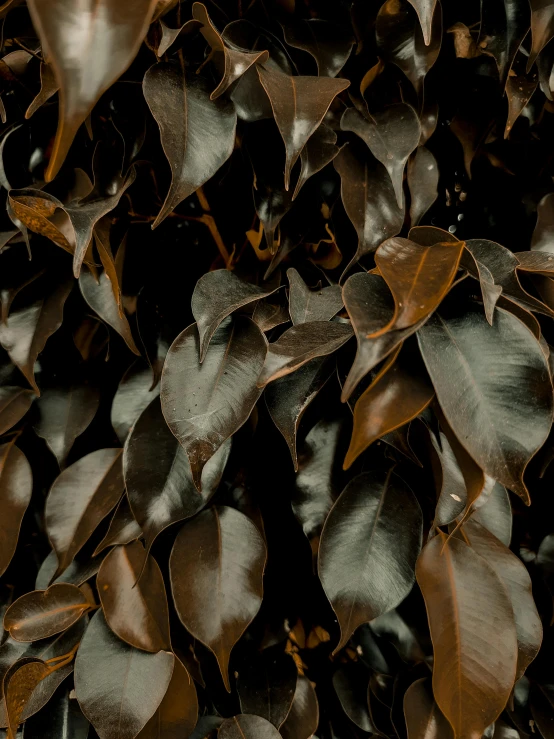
[[43, 613], [16, 486]]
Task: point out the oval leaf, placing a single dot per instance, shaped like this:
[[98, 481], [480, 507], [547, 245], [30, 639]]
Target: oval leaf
[[423, 717], [43, 613]]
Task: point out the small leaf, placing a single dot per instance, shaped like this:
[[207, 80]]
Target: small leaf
[[246, 726], [351, 683], [369, 546], [216, 570], [542, 28], [307, 305], [490, 290], [43, 613], [543, 235], [16, 486], [303, 717], [170, 35], [14, 404], [423, 717], [452, 499]]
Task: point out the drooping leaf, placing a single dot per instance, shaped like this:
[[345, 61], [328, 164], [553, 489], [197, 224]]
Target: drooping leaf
[[266, 685], [48, 87], [298, 98], [119, 688], [63, 719], [43, 214], [194, 396], [391, 136], [16, 486], [195, 143], [303, 717], [423, 717], [133, 395], [14, 404], [519, 90], [307, 305], [132, 593], [320, 149], [216, 569], [79, 499], [423, 180], [123, 527], [43, 613], [473, 633], [460, 353], [328, 43], [170, 35], [247, 726], [17, 687], [366, 565], [452, 498], [300, 344], [107, 38], [425, 10], [504, 24]]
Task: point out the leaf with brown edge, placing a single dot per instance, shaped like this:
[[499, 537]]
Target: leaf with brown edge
[[79, 499], [216, 569], [14, 404], [16, 487], [330, 44], [119, 688], [235, 61], [27, 329], [307, 305], [452, 496], [512, 573], [423, 717], [196, 143], [391, 135], [303, 717], [43, 214], [177, 714], [266, 684], [298, 98], [134, 393], [158, 477], [368, 549], [18, 685], [194, 396], [132, 592], [109, 36], [495, 514], [473, 634], [247, 726], [43, 613], [519, 90], [368, 198], [123, 527], [219, 293], [170, 35], [542, 28], [48, 88], [320, 149], [490, 291], [300, 344], [399, 393], [418, 276], [460, 353], [423, 180], [425, 10]]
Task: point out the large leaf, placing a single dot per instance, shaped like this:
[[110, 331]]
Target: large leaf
[[16, 486], [247, 726], [307, 305], [158, 478], [196, 397], [132, 592], [369, 546], [216, 569], [468, 361], [105, 39], [473, 633], [423, 717], [197, 133], [118, 687], [79, 499]]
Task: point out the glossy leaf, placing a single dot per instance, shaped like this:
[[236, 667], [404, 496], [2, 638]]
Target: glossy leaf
[[303, 717], [18, 685], [119, 688], [79, 499], [496, 434], [423, 717], [216, 569], [543, 235], [425, 10], [108, 30], [452, 498], [504, 24], [351, 683], [16, 486], [490, 290], [319, 151], [14, 404], [473, 633], [48, 87], [247, 726], [266, 686], [330, 45], [123, 528], [133, 395], [362, 572], [496, 514], [43, 613], [423, 180], [194, 395], [307, 305]]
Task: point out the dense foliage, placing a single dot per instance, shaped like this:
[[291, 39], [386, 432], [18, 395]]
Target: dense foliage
[[276, 376]]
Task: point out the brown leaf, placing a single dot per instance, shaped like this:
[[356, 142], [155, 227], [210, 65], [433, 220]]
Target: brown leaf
[[16, 486], [170, 35], [123, 527], [43, 613], [423, 717], [18, 685], [43, 214], [14, 404], [48, 87], [423, 179], [303, 717], [542, 28]]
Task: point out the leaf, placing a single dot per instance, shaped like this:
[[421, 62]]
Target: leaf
[[369, 200], [368, 549], [43, 613], [391, 136], [65, 412], [504, 24], [351, 683], [14, 404], [119, 688], [216, 570], [194, 396], [519, 89], [307, 305], [132, 593], [27, 330], [288, 397], [158, 477], [496, 514], [418, 276], [196, 143], [423, 717], [294, 99], [107, 40], [63, 719], [48, 87], [423, 180], [490, 290], [512, 573], [246, 726], [303, 717], [79, 499], [299, 344], [542, 28], [266, 685], [235, 62], [18, 685], [133, 395], [43, 214], [98, 293], [468, 360], [268, 314], [216, 295], [16, 486], [543, 235], [328, 43], [400, 40], [123, 528], [319, 151], [399, 393], [473, 633], [176, 715], [452, 499], [425, 10]]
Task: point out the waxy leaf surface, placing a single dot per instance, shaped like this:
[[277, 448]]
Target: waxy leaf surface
[[43, 613], [16, 486]]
